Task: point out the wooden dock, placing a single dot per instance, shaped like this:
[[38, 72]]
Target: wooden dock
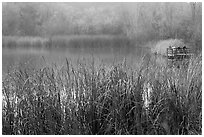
[[178, 57], [178, 53]]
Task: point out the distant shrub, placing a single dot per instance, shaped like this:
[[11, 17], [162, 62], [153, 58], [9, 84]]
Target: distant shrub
[[162, 45]]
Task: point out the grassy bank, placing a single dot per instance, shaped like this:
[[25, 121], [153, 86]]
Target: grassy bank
[[63, 42], [86, 99], [13, 42]]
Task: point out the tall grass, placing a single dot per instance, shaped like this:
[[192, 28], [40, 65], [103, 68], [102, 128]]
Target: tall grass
[[98, 100]]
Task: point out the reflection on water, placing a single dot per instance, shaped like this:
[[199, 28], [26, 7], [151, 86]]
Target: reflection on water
[[25, 58]]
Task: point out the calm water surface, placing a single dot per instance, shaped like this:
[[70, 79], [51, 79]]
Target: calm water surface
[[15, 58]]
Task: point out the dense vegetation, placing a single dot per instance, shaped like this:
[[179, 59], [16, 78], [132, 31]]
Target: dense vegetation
[[139, 21], [86, 99]]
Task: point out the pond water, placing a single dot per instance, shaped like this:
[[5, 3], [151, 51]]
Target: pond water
[[14, 58]]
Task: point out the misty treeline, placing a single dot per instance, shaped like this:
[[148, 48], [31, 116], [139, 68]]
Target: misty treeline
[[139, 21]]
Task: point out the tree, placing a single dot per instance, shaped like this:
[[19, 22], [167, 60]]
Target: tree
[[196, 25], [10, 19], [28, 19]]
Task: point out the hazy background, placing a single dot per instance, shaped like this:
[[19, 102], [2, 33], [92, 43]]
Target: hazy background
[[141, 21]]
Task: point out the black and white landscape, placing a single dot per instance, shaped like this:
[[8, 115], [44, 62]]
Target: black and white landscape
[[101, 68]]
